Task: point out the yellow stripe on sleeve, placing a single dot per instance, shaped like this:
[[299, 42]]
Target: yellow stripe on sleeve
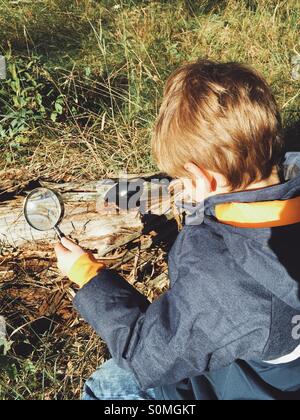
[[84, 269]]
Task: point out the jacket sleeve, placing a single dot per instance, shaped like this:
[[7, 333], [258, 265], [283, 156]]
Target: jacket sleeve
[[159, 343]]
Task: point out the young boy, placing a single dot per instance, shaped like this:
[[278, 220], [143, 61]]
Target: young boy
[[228, 328]]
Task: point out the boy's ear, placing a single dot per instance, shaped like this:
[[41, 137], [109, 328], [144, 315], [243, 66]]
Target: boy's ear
[[202, 176]]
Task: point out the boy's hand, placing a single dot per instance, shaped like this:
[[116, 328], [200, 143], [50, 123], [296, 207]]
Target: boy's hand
[[67, 253], [79, 265]]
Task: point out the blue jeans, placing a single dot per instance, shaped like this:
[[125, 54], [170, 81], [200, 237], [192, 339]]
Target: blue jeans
[[110, 382]]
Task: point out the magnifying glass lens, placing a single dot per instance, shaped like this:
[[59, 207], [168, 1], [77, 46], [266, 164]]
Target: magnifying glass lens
[[43, 209]]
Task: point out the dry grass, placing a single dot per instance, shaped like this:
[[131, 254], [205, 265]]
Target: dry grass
[[53, 351], [108, 61]]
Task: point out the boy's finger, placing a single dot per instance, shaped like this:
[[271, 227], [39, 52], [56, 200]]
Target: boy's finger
[[60, 250], [68, 244]]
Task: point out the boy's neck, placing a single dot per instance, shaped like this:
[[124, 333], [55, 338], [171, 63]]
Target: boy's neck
[[272, 180]]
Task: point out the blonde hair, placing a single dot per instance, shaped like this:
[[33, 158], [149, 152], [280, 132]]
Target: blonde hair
[[222, 117]]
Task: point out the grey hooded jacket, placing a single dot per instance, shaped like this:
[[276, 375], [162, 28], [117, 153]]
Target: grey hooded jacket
[[233, 299]]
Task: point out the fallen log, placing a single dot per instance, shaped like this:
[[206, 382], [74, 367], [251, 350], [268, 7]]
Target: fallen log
[[94, 223]]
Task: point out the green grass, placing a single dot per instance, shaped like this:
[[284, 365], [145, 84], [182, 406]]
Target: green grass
[[54, 368], [90, 73], [85, 84]]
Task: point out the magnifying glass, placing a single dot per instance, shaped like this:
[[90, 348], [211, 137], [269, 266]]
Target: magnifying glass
[[44, 210]]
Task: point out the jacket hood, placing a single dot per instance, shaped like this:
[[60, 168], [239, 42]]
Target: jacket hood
[[288, 189], [269, 255]]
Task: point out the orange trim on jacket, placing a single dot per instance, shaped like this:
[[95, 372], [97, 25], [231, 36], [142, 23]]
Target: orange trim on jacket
[[84, 269], [264, 214]]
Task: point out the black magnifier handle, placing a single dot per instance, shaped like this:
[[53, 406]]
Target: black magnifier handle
[[59, 233]]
